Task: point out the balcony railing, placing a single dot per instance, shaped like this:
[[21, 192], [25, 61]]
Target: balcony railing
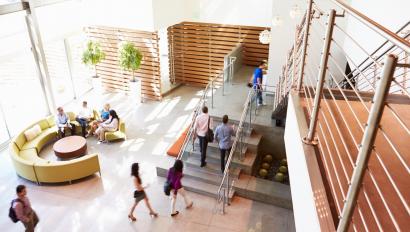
[[357, 119]]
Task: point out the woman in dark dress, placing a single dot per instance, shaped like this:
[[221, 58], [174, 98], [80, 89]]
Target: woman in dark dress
[[139, 193]]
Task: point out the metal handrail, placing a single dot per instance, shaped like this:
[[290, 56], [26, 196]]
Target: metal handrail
[[377, 50], [202, 102], [332, 131], [238, 138], [386, 33]]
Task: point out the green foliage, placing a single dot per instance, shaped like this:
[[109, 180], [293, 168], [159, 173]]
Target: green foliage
[[93, 54], [130, 57]]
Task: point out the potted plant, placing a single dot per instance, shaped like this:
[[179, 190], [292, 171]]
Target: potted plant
[[93, 55], [130, 58]]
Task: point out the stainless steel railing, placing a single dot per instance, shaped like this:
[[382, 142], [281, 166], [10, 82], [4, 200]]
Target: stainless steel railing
[[225, 188], [368, 184], [209, 90]]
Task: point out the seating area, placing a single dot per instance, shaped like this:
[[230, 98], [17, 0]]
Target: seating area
[[29, 165]]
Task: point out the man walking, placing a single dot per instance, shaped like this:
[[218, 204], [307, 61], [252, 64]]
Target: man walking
[[23, 210], [223, 135], [202, 123], [257, 82]]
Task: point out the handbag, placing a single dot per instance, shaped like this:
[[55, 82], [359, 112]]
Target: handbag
[[210, 132], [167, 188]]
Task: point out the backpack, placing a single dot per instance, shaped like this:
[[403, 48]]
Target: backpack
[[12, 213]]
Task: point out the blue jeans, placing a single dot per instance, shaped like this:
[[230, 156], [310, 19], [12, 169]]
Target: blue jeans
[[258, 94], [83, 122]]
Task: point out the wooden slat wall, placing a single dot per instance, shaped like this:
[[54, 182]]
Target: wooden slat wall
[[197, 50], [113, 77]]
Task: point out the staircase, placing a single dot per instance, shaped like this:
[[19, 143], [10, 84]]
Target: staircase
[[206, 180]]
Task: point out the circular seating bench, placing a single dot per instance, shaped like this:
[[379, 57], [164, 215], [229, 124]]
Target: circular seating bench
[[29, 165]]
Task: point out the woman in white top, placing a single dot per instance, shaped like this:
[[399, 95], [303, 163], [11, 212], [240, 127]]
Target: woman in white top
[[111, 124]]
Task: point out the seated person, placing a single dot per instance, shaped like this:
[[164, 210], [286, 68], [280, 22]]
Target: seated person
[[84, 116], [111, 124], [63, 122], [105, 114]]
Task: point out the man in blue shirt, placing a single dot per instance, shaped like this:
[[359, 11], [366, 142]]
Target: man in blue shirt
[[223, 135], [257, 82]]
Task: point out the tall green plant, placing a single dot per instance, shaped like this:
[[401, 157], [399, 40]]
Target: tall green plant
[[130, 57], [93, 55]]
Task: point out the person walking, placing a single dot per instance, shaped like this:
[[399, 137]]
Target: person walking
[[139, 193], [174, 177], [23, 210], [257, 82], [223, 135], [202, 123]]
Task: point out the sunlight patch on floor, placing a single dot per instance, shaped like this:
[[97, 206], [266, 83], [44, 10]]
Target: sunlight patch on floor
[[160, 148], [151, 128], [191, 104], [179, 124], [156, 111], [170, 106]]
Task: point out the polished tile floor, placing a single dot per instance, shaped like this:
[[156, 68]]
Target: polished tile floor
[[102, 203]]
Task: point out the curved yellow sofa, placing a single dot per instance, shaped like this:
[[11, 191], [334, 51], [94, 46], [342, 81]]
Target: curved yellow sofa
[[24, 155]]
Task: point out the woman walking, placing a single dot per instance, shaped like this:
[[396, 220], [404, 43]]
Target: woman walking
[[174, 178], [139, 193]]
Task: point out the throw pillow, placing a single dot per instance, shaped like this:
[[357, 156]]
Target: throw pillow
[[32, 132]]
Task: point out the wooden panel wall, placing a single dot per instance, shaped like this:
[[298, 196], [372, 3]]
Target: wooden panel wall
[[197, 50], [113, 77]]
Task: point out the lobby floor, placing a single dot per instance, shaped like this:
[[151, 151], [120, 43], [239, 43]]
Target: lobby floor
[[102, 203]]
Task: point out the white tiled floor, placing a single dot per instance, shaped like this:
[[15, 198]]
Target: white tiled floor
[[102, 203]]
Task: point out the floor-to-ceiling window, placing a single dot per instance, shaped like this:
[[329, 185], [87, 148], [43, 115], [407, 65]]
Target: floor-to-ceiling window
[[21, 96], [63, 44]]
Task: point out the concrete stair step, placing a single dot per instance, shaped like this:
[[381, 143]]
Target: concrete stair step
[[202, 188], [252, 142], [215, 168], [246, 164], [213, 148], [196, 173]]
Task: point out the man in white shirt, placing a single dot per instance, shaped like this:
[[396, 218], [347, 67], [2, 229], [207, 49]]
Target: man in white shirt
[[84, 116], [201, 129]]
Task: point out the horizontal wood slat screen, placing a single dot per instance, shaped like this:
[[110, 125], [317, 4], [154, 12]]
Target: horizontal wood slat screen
[[197, 50], [113, 77]]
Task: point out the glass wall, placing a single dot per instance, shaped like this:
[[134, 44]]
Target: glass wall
[[21, 95]]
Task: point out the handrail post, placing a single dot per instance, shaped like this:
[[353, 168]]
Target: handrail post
[[223, 82], [321, 78], [224, 201], [212, 93], [366, 145], [227, 185], [250, 112], [305, 43]]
